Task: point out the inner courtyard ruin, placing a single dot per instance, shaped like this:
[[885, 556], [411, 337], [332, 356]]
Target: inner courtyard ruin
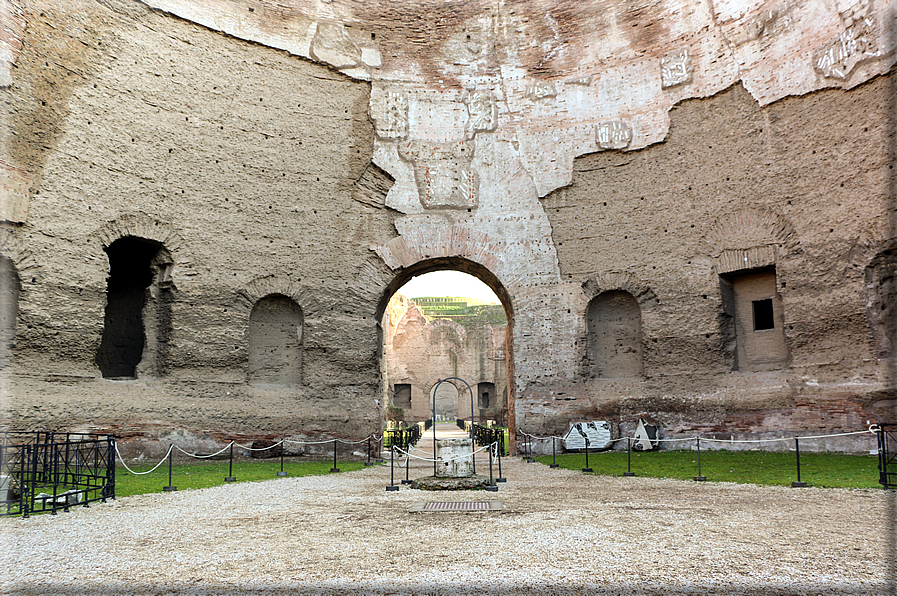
[[687, 209]]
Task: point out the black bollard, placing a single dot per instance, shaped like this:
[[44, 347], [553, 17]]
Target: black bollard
[[281, 474], [628, 471], [369, 462], [491, 487], [529, 450], [798, 484], [169, 488], [407, 466], [587, 468], [501, 447], [699, 477], [554, 455], [392, 463], [334, 469], [230, 466]]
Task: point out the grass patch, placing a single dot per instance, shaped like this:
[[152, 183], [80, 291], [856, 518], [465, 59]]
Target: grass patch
[[830, 470], [205, 475]]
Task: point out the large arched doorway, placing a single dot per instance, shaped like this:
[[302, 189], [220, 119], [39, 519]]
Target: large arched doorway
[[443, 348]]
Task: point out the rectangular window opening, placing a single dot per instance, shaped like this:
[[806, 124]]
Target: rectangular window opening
[[763, 315]]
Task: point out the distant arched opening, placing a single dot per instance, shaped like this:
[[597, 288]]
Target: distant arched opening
[[448, 341], [275, 341]]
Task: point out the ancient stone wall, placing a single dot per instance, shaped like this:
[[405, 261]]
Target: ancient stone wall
[[322, 153], [243, 164]]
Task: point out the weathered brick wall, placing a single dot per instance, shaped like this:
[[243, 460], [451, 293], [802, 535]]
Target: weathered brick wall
[[241, 161], [556, 150]]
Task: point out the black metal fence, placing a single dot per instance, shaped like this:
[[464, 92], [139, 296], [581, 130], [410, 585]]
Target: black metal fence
[[47, 472], [887, 454], [402, 438], [484, 435]]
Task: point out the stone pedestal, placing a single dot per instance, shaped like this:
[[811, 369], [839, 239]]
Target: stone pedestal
[[455, 458]]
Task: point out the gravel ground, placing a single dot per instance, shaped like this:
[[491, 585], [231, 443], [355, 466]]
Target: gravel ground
[[560, 532]]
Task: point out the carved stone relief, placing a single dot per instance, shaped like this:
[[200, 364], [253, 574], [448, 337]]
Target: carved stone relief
[[443, 173], [858, 42], [613, 135], [482, 111], [538, 91], [675, 68], [390, 115]]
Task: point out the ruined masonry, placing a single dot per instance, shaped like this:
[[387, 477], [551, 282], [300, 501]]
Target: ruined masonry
[[686, 208]]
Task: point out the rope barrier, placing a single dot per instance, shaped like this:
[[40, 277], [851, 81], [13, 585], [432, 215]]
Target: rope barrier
[[434, 459], [260, 448], [122, 460], [226, 447], [873, 429]]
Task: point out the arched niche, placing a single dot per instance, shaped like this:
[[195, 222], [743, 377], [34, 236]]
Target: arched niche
[[10, 288], [275, 341], [614, 327], [137, 318]]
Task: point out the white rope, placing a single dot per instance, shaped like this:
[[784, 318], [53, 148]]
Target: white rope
[[873, 429], [460, 457], [226, 447], [122, 460], [260, 448]]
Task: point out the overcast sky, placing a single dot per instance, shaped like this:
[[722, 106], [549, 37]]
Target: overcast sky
[[448, 283]]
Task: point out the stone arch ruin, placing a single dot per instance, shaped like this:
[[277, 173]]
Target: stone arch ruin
[[328, 151]]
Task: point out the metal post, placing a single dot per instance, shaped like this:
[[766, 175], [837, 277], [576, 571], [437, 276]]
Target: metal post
[[281, 473], [554, 454], [230, 465], [587, 468], [392, 463], [110, 469], [170, 487], [24, 490], [501, 447], [407, 463], [798, 484], [628, 471], [369, 462], [334, 468], [491, 487], [699, 477]]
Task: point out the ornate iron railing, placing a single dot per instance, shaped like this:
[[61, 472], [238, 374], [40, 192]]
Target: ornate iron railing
[[403, 438], [46, 472], [484, 435]]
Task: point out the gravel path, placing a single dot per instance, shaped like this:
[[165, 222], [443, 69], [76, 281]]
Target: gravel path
[[560, 532]]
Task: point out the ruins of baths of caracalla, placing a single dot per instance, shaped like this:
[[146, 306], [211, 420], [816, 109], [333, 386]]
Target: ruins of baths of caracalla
[[686, 208]]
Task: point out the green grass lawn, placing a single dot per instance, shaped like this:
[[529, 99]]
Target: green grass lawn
[[191, 476], [754, 467]]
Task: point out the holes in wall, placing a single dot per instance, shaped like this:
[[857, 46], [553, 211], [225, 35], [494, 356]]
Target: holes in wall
[[137, 319], [614, 322], [275, 341]]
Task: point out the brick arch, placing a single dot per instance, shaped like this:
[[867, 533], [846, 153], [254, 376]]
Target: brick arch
[[139, 225], [455, 241], [626, 282], [749, 239], [16, 251], [268, 285]]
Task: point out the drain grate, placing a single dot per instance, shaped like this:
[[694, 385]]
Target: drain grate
[[434, 506]]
